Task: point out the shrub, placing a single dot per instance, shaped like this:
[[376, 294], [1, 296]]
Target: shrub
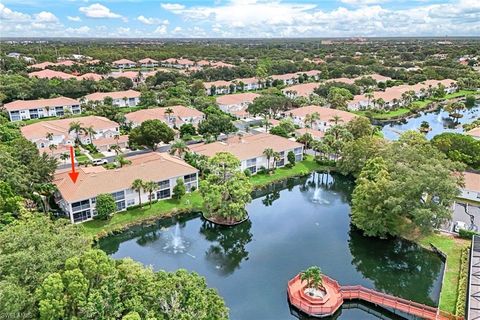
[[247, 172], [466, 234], [179, 190], [105, 206], [462, 284], [262, 170], [291, 158]]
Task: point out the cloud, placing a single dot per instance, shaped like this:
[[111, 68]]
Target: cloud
[[8, 14], [172, 6], [161, 30], [75, 18], [45, 16], [81, 31], [177, 30], [97, 11], [151, 21]]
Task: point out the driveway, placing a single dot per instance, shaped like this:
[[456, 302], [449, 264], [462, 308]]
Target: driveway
[[460, 214]]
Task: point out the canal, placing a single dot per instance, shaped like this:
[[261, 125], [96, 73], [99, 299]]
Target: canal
[[293, 225], [438, 120]]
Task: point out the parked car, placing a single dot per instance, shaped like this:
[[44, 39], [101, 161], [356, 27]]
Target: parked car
[[458, 225], [99, 162]]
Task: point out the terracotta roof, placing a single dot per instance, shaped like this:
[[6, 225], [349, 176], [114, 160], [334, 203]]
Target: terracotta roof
[[99, 96], [90, 76], [237, 98], [304, 89], [123, 61], [110, 140], [252, 80], [344, 80], [39, 130], [66, 63], [219, 83], [325, 113], [475, 132], [159, 113], [376, 77], [40, 103], [170, 60], [221, 64], [94, 61], [42, 65], [149, 167], [286, 76], [247, 147], [49, 74], [59, 150], [127, 74], [148, 60], [203, 63], [310, 73], [314, 133], [185, 61], [472, 181]]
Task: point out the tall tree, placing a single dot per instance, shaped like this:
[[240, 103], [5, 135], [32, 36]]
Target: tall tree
[[150, 134], [137, 186]]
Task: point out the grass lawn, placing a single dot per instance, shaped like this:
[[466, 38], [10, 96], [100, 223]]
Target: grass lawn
[[97, 155], [452, 247], [191, 201], [385, 115], [81, 158]]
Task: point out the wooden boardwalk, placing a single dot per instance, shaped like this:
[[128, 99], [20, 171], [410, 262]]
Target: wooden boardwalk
[[400, 304], [338, 294]]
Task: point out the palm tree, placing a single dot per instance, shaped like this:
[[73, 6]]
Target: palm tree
[[269, 153], [306, 139], [381, 103], [49, 136], [116, 148], [76, 127], [311, 119], [52, 148], [178, 146], [64, 156], [150, 187], [336, 119], [313, 276], [121, 160], [169, 112], [137, 185], [369, 96], [276, 158], [89, 132]]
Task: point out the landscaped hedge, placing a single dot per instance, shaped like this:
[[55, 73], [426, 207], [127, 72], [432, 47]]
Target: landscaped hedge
[[466, 234], [462, 283]]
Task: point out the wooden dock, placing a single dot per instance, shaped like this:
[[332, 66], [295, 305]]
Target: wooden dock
[[338, 294]]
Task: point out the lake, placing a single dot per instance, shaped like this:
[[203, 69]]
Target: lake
[[293, 225], [439, 122]]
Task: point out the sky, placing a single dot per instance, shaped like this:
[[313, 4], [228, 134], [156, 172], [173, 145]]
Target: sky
[[238, 18]]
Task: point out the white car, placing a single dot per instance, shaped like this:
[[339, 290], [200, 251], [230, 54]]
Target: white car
[[99, 162], [459, 225]]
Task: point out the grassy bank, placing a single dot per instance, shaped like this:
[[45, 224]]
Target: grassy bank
[[452, 248], [190, 202]]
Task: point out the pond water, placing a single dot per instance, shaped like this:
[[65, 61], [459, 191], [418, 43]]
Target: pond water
[[293, 225], [439, 122]]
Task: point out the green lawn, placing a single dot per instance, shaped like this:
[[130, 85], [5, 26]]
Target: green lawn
[[81, 158], [97, 155], [191, 201], [385, 115], [452, 247]]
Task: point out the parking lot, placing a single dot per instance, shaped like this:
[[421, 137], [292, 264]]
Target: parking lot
[[460, 214]]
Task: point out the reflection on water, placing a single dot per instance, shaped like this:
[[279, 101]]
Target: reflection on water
[[439, 122], [293, 224]]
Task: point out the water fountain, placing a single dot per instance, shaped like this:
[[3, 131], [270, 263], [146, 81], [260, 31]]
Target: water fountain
[[316, 194], [175, 242]]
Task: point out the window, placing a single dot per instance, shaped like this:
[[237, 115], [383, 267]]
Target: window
[[298, 157], [15, 116], [163, 194], [164, 184], [280, 163], [130, 202], [93, 200], [120, 195], [129, 191], [33, 113], [59, 111], [190, 177], [120, 205], [82, 216], [252, 165], [297, 150], [80, 205]]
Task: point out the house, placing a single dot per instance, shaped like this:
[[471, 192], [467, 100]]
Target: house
[[342, 80], [202, 63], [51, 74], [136, 76], [394, 96], [237, 103], [148, 63], [312, 74], [219, 87], [128, 98], [77, 200], [471, 190], [14, 55], [475, 133], [249, 150], [179, 115], [178, 63], [316, 134], [106, 143], [376, 77], [41, 108], [300, 90], [248, 84], [221, 64], [56, 132], [42, 65], [286, 79], [327, 116], [124, 64], [90, 76], [66, 63]]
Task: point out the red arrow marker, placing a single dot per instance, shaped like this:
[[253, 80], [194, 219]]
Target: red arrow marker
[[73, 175]]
